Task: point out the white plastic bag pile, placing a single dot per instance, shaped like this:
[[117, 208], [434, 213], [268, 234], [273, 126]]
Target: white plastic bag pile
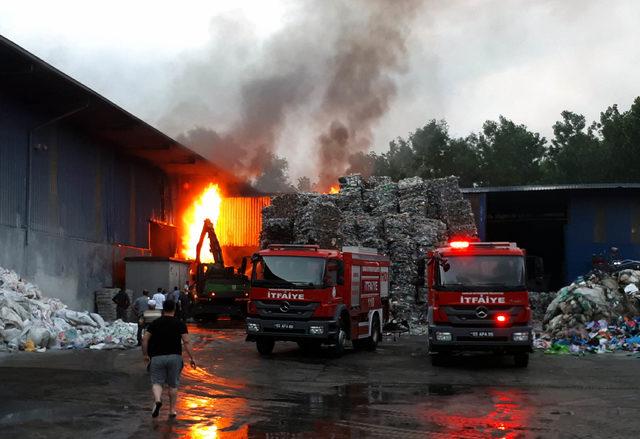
[[30, 321]]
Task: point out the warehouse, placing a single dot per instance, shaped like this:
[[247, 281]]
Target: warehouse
[[81, 181], [564, 225]]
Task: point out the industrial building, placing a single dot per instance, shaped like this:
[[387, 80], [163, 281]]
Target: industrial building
[[562, 224], [83, 183]]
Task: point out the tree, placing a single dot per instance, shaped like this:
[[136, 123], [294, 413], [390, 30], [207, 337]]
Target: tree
[[398, 163], [620, 134], [510, 154], [430, 144], [576, 154], [273, 176]]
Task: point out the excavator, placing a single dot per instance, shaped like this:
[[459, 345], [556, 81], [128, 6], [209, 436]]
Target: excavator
[[219, 290]]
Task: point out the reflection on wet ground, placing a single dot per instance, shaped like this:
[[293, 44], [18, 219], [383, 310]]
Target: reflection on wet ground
[[213, 406], [391, 393]]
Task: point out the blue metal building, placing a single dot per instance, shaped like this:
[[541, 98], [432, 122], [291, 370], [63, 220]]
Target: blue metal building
[[563, 224], [80, 180]]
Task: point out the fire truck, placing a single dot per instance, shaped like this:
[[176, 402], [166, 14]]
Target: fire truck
[[317, 296], [478, 300]]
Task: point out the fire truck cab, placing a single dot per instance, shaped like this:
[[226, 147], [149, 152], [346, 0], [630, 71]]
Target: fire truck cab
[[478, 300], [317, 296]]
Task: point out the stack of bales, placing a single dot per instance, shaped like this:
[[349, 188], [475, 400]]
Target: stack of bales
[[403, 220]]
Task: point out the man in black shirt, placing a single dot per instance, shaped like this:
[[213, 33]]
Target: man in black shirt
[[162, 349]]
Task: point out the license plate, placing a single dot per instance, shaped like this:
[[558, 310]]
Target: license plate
[[482, 334], [283, 325]]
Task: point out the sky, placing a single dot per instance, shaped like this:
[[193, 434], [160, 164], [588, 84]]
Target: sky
[[179, 65]]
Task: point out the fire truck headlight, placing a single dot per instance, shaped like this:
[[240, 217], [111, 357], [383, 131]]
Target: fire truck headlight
[[520, 336], [253, 327], [443, 336], [316, 330]]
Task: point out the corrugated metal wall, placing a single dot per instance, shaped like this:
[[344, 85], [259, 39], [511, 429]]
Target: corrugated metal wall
[[79, 188], [13, 163], [596, 223], [240, 221]]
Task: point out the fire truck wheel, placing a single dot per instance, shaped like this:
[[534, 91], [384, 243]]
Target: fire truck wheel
[[265, 345], [521, 360], [338, 348], [372, 342]]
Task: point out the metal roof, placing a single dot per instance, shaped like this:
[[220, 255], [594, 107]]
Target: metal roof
[[51, 92], [555, 187]]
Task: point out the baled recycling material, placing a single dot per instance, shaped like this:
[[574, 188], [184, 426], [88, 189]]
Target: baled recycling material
[[30, 321], [402, 220], [598, 313]]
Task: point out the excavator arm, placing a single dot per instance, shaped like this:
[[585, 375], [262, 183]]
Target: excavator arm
[[216, 250]]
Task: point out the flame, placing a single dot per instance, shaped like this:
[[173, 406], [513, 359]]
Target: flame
[[237, 220], [207, 205], [334, 189]]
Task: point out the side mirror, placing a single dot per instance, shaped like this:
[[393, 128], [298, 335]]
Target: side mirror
[[340, 277]]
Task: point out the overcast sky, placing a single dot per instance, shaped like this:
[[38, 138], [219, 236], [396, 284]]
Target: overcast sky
[[466, 61]]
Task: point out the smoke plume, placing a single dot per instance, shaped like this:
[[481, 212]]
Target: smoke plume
[[312, 92]]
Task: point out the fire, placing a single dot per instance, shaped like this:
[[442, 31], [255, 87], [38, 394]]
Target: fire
[[207, 205], [334, 189], [237, 220]]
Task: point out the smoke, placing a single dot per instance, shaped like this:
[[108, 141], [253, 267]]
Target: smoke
[[327, 76]]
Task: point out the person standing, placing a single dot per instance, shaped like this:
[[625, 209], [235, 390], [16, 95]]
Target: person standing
[[140, 305], [175, 297], [122, 303], [159, 298], [184, 304], [162, 349]]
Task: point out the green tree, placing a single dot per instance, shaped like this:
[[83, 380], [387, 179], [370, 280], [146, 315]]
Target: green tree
[[620, 133], [398, 163], [510, 154], [430, 144], [576, 153], [274, 173]]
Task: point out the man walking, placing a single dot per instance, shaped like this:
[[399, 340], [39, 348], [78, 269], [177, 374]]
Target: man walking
[[140, 305], [162, 348]]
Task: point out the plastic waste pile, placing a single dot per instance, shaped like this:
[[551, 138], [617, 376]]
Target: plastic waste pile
[[32, 322], [540, 302], [598, 314], [402, 219]]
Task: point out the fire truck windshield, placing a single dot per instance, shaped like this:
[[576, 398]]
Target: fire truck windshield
[[478, 272], [288, 271]]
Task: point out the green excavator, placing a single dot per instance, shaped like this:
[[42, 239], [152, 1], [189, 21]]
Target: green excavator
[[219, 290]]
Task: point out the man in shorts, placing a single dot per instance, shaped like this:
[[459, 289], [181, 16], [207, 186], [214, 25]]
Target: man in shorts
[[162, 349]]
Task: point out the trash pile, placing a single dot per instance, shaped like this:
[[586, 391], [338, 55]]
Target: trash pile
[[597, 314], [31, 322], [402, 219], [540, 301]]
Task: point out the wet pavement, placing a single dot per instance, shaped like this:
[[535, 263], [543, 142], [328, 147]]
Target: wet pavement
[[394, 392]]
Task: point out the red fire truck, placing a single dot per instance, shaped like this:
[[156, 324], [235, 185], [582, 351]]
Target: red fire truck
[[478, 300], [317, 296]]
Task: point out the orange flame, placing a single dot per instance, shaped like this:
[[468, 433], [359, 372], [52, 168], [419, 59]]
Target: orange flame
[[207, 205], [334, 189]]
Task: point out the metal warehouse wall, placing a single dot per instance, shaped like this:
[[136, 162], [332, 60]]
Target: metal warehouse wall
[[89, 207], [598, 221]]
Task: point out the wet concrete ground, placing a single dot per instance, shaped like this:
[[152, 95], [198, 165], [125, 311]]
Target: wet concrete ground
[[392, 393]]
